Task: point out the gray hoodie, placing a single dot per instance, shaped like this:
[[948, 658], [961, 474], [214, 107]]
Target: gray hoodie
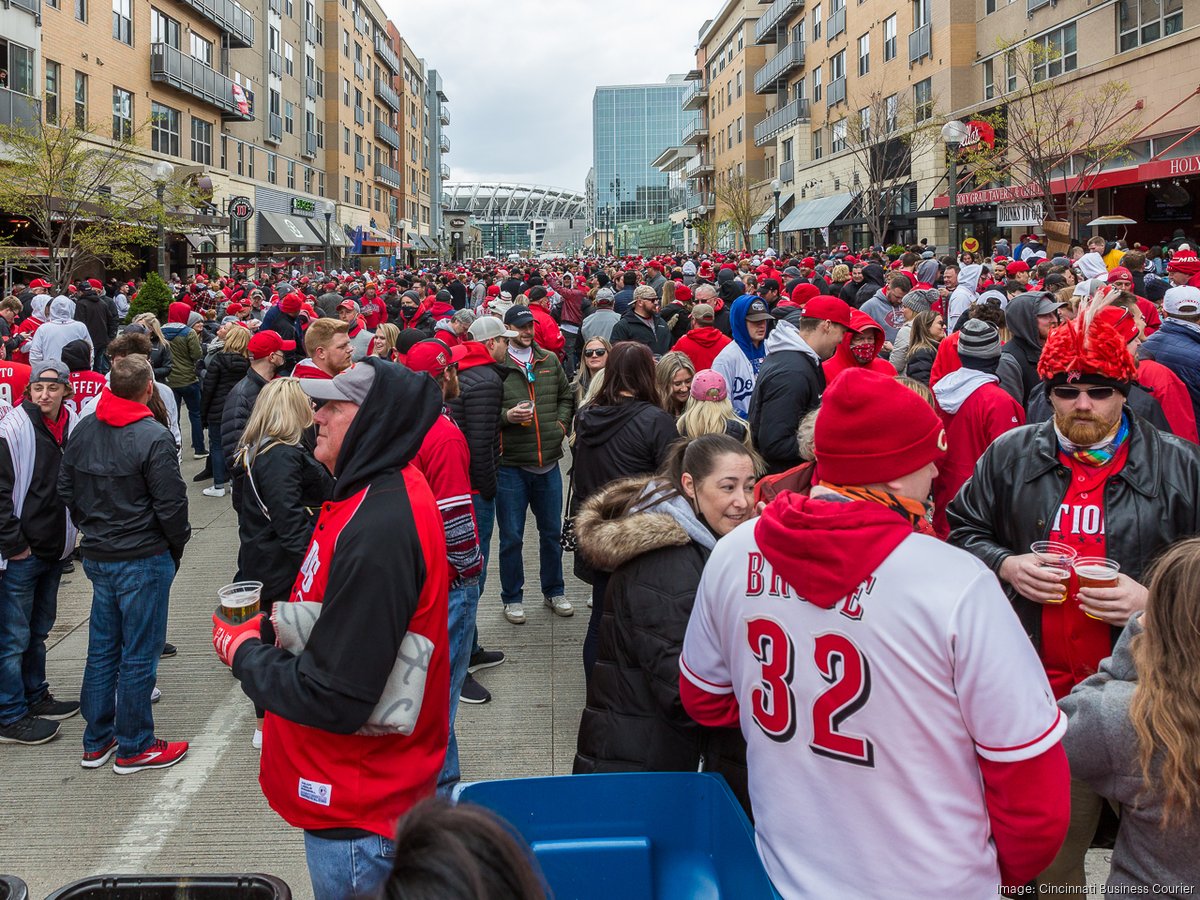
[[1103, 750]]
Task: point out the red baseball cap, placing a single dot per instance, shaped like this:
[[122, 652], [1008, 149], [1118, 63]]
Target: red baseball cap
[[433, 357], [265, 343], [825, 307]]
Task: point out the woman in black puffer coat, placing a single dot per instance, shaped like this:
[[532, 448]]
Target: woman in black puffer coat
[[655, 535], [226, 368], [622, 432]]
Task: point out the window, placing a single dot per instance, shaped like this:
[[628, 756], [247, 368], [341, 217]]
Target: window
[[729, 92], [800, 89], [122, 114], [81, 10], [345, 140], [308, 173], [123, 21], [864, 54], [321, 43], [320, 134], [1054, 53], [345, 43], [164, 129], [81, 92], [358, 99], [816, 143], [739, 82], [163, 29], [288, 10], [345, 92], [1148, 20], [1010, 71], [291, 174], [864, 124], [889, 37], [53, 86], [785, 150], [989, 85], [729, 137], [816, 14], [249, 160], [321, 183], [837, 66], [891, 111], [920, 14], [798, 32], [817, 85], [271, 172], [202, 133], [289, 116], [837, 142], [740, 136], [358, 193], [289, 62], [923, 100], [20, 68], [202, 49]]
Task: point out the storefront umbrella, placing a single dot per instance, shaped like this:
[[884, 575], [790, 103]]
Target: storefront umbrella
[[1110, 220]]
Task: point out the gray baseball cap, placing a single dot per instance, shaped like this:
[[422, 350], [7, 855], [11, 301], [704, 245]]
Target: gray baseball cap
[[487, 327], [352, 386], [38, 370]]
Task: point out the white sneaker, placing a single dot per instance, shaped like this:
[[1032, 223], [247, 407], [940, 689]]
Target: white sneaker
[[515, 613], [256, 741], [561, 605], [155, 695], [213, 492]]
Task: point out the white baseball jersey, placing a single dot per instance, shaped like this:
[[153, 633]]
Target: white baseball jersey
[[863, 721]]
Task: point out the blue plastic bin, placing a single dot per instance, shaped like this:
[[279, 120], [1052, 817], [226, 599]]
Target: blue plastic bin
[[637, 836]]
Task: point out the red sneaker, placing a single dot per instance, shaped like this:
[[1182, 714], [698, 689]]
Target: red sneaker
[[159, 755], [97, 758]]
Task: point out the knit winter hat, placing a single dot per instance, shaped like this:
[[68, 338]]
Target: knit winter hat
[[709, 386], [919, 301], [1184, 260], [851, 446], [979, 340], [1094, 353]]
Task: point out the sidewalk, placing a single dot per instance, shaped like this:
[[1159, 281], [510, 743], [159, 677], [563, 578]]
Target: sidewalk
[[60, 822]]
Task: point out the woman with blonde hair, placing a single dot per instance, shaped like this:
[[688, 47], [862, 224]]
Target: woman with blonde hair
[[383, 344], [594, 358], [160, 348], [225, 368], [709, 411], [1133, 732], [284, 487], [674, 373]]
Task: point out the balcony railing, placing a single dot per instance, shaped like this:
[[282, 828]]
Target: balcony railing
[[310, 88], [387, 134], [698, 165], [360, 71], [836, 24], [310, 33], [227, 15], [361, 25], [188, 74], [387, 94], [310, 145], [274, 128], [787, 171], [779, 67], [1031, 5], [444, 116], [385, 52], [836, 92], [775, 15], [387, 175], [443, 144], [919, 45], [275, 62], [444, 172], [696, 95], [708, 200], [18, 109], [784, 117], [695, 133], [360, 162], [360, 117]]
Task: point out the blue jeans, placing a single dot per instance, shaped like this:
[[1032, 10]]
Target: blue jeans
[[125, 638], [518, 491], [348, 869], [463, 603], [485, 524], [216, 455], [28, 607], [190, 394]]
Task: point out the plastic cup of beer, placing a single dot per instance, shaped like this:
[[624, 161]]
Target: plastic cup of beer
[[526, 406], [1057, 558], [240, 601], [1096, 571]]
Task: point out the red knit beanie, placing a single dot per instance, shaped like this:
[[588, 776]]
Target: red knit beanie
[[871, 430], [291, 303]]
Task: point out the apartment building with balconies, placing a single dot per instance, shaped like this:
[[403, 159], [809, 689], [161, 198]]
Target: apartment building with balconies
[[416, 200], [436, 120]]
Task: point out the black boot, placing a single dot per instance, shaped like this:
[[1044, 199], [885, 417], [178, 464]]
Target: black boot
[[205, 475]]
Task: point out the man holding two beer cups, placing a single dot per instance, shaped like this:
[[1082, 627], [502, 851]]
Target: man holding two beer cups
[[1070, 513]]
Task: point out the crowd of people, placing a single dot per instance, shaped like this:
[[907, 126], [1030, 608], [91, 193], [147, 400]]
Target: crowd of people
[[901, 545]]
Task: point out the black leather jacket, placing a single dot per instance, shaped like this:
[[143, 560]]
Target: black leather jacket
[[1019, 482]]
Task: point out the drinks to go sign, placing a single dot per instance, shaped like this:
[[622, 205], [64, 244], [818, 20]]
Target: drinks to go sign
[[241, 209], [1020, 213]]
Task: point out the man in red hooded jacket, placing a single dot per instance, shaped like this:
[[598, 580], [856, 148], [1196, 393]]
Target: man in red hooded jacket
[[703, 342], [829, 625]]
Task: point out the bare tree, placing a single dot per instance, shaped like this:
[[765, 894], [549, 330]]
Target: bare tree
[[87, 198], [1050, 130], [883, 134], [743, 205]]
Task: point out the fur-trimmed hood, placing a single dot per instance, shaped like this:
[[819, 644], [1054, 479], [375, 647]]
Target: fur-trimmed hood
[[630, 517]]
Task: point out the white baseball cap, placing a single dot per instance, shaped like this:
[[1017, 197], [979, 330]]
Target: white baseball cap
[[1183, 300]]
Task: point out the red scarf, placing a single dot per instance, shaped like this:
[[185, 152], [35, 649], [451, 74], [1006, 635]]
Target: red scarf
[[57, 427]]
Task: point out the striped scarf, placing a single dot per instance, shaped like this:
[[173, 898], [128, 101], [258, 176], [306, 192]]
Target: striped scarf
[[912, 510], [1100, 454]]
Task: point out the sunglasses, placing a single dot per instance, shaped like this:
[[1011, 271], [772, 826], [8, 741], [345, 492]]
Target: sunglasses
[[595, 353], [1072, 393]]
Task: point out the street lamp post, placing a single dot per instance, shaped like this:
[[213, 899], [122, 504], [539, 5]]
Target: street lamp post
[[162, 172], [701, 212], [954, 133], [776, 187], [327, 208]]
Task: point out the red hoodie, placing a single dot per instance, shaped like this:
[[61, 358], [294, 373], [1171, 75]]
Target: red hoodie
[[546, 333], [1172, 394], [702, 346], [477, 355], [119, 412], [843, 359]]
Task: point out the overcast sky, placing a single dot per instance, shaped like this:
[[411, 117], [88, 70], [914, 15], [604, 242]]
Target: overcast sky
[[519, 75]]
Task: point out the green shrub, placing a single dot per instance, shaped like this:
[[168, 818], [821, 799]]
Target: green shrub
[[153, 297]]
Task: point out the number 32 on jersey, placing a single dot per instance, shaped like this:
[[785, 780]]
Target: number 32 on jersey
[[840, 664]]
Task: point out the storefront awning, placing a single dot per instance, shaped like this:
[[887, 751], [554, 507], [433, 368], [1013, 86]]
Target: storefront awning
[[277, 229], [425, 243], [337, 234], [819, 213], [763, 222]]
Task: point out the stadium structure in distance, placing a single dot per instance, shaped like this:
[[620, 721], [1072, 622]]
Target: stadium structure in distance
[[521, 217]]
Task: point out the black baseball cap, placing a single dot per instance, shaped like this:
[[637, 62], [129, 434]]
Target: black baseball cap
[[758, 312], [518, 316]]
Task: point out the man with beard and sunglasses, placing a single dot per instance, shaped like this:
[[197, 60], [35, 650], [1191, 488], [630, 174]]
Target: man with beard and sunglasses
[[1099, 479]]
